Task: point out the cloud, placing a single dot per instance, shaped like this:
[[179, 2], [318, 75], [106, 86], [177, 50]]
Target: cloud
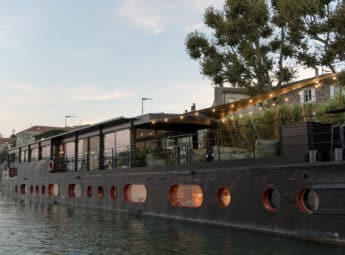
[[29, 94], [141, 14]]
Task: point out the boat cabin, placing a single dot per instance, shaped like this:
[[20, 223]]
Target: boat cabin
[[147, 140]]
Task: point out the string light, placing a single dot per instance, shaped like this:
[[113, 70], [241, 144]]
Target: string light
[[334, 78], [260, 108], [240, 116], [232, 117], [181, 117], [223, 119], [251, 101], [273, 104], [166, 119], [286, 99]]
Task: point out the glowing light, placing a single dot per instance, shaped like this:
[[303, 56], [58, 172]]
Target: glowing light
[[232, 117], [166, 120], [240, 116], [223, 120], [141, 134], [213, 110], [260, 108], [286, 99], [232, 106], [251, 101], [334, 78], [181, 117], [153, 122], [271, 95], [196, 114], [250, 113], [273, 104]]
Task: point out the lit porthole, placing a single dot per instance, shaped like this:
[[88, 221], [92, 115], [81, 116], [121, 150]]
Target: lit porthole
[[113, 192], [89, 191], [224, 197], [190, 196], [271, 199], [31, 189], [75, 190], [37, 189], [135, 193], [43, 189], [100, 192], [308, 201], [22, 189], [53, 190]]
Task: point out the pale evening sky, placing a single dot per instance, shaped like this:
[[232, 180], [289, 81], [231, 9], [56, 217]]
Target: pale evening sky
[[96, 59]]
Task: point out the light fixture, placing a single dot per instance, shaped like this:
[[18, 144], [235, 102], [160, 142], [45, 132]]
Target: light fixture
[[196, 113], [232, 106], [166, 119], [153, 122], [271, 95], [213, 109], [286, 99], [181, 117], [251, 101]]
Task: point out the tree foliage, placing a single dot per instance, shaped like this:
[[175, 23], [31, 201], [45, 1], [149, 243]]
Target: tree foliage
[[257, 44]]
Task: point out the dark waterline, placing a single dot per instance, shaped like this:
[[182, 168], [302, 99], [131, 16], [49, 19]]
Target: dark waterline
[[34, 228]]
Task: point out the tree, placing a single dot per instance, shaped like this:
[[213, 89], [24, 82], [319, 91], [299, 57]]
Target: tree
[[311, 30], [244, 49]]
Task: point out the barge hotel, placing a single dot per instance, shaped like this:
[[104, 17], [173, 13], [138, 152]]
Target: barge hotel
[[178, 167]]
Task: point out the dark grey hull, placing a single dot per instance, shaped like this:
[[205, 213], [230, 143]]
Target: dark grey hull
[[246, 181]]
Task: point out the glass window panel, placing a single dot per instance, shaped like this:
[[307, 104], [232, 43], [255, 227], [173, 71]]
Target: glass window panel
[[94, 153], [46, 152], [82, 154], [34, 154]]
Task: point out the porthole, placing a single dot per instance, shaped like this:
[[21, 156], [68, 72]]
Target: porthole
[[22, 189], [31, 189], [100, 192], [308, 201], [224, 197], [53, 190], [190, 196], [75, 190], [271, 199], [43, 189], [89, 191], [135, 193], [37, 189], [113, 192]]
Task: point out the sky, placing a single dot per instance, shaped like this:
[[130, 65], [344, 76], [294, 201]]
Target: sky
[[96, 59]]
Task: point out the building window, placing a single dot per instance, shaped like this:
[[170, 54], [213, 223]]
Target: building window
[[53, 190], [190, 196], [307, 96]]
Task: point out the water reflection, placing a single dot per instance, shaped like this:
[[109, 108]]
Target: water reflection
[[33, 228]]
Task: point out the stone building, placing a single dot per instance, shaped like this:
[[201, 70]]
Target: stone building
[[317, 89], [29, 135]]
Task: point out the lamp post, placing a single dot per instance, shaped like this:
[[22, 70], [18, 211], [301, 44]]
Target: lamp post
[[142, 103], [67, 117]]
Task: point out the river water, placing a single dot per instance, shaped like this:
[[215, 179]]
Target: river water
[[34, 228]]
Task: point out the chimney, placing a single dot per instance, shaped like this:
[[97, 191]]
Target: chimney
[[193, 108]]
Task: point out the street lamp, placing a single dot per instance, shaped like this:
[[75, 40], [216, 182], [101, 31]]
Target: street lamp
[[67, 117], [142, 103]]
